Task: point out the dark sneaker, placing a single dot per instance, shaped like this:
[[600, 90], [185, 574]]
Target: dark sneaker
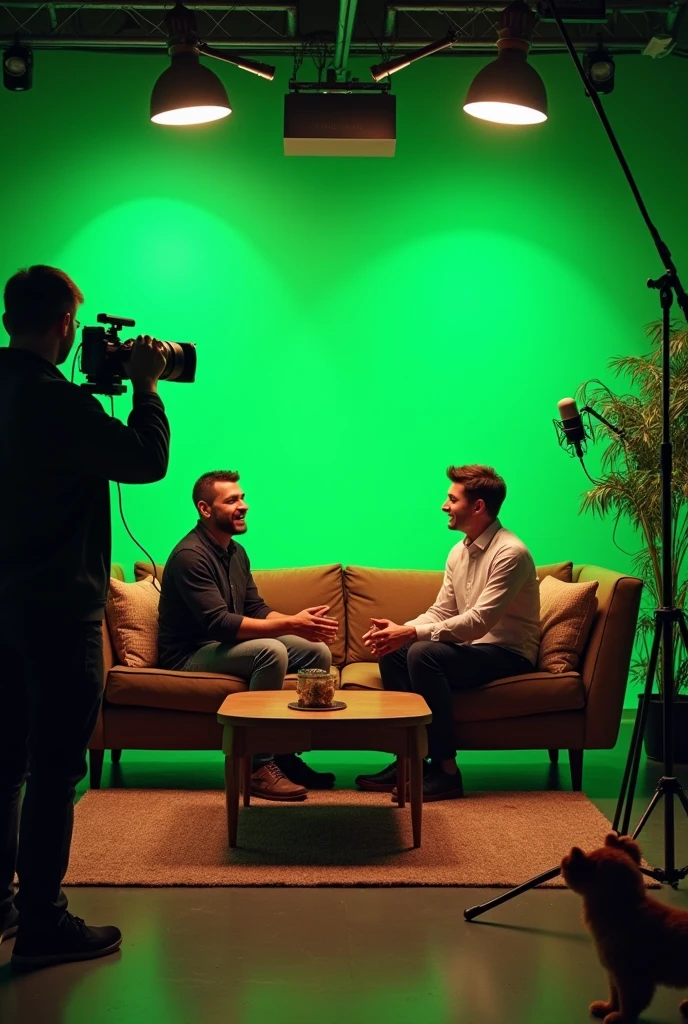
[[8, 924], [69, 940], [381, 782], [270, 783], [302, 774], [437, 785]]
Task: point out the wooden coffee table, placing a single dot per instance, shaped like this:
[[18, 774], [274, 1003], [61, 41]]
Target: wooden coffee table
[[259, 720]]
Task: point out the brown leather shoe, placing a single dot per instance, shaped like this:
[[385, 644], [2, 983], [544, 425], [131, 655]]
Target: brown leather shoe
[[270, 783]]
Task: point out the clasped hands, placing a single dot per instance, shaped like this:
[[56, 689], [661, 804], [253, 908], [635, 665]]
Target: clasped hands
[[385, 636]]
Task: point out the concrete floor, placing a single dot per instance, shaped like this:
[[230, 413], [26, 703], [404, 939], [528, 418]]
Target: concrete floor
[[308, 956]]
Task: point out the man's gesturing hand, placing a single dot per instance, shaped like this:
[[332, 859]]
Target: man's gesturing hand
[[311, 624], [385, 636]]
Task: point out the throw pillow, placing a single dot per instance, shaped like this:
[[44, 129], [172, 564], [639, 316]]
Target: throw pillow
[[567, 611], [132, 615]]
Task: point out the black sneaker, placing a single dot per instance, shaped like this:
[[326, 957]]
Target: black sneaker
[[9, 924], [69, 940], [437, 785], [302, 774], [381, 782]]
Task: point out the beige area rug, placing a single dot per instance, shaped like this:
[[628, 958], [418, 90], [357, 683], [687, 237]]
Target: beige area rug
[[343, 837]]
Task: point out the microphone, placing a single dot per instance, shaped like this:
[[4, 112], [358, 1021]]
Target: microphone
[[571, 422], [570, 426]]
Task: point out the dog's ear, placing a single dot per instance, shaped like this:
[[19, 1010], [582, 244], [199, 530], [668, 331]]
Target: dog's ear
[[577, 856], [626, 844]]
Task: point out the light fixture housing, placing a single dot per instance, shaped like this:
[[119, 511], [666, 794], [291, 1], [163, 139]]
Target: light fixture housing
[[600, 69], [17, 68], [380, 71], [509, 90], [188, 92]]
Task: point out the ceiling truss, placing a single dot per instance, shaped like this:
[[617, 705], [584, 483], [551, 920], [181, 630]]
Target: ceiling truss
[[274, 28]]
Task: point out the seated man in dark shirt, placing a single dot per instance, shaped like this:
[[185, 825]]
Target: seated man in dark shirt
[[212, 619]]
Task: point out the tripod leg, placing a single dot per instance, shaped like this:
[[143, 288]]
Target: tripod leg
[[650, 808], [632, 764], [473, 912], [683, 628], [680, 793]]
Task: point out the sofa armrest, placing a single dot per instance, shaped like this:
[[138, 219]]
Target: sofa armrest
[[109, 659], [608, 653]]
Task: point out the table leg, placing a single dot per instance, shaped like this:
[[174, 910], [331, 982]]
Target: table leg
[[402, 763], [246, 766], [416, 759], [232, 769]]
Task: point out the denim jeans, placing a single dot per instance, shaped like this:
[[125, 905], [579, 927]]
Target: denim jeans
[[262, 663], [51, 680]]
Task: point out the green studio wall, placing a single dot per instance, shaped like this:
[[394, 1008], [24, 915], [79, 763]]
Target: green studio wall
[[360, 323]]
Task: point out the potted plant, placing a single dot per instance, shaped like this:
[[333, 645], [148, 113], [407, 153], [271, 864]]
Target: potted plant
[[628, 488]]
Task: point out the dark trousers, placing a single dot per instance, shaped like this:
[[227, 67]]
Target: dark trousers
[[434, 669], [51, 679]]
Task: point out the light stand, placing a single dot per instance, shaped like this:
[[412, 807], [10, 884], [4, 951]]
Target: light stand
[[669, 787]]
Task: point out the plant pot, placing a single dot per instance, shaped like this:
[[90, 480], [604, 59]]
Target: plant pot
[[654, 729]]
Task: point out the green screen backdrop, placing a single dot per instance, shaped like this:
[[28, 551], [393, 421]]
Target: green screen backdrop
[[360, 323]]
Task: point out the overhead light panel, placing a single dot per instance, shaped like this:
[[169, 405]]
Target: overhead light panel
[[509, 90], [188, 92]]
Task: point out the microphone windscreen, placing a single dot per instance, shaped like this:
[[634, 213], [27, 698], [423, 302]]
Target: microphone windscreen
[[568, 408]]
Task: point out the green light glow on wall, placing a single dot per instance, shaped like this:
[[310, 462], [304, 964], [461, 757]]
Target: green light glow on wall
[[360, 323]]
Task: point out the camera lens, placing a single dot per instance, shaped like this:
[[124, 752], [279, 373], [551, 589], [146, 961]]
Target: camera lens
[[180, 361]]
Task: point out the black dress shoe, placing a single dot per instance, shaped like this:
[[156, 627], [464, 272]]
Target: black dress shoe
[[302, 774], [438, 785], [69, 939], [381, 782]]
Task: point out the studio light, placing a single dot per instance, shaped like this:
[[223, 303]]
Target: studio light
[[509, 90], [188, 92], [17, 68], [379, 71], [599, 65]]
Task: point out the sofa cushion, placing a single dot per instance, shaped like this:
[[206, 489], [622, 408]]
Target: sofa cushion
[[567, 611], [132, 617], [397, 594], [292, 590], [175, 690], [560, 570], [537, 693]]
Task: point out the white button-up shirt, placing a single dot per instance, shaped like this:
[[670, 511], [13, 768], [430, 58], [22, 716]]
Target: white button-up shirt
[[490, 594]]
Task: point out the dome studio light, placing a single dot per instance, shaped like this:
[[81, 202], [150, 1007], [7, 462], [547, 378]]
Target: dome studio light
[[509, 90], [188, 92]]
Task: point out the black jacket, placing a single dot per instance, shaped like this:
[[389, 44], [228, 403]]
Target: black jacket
[[206, 592], [58, 450]]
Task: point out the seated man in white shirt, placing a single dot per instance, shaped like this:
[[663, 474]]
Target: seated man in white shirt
[[484, 625]]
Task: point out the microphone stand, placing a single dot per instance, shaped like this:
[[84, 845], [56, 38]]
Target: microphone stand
[[668, 615]]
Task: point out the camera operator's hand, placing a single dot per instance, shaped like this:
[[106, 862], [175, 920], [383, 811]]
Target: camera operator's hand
[[146, 363], [311, 624]]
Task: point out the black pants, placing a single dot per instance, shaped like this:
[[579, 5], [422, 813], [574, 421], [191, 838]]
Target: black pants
[[51, 678], [434, 669]]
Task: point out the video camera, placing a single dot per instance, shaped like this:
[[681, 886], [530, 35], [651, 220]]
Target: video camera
[[105, 359]]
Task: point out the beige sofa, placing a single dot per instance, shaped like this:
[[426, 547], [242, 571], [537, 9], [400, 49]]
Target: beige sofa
[[154, 709]]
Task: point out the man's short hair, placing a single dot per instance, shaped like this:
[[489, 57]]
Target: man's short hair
[[204, 488], [480, 482], [37, 298]]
